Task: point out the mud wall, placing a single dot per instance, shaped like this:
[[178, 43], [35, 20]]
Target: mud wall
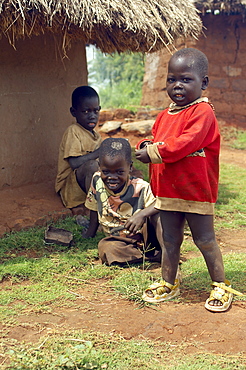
[[224, 44], [36, 85]]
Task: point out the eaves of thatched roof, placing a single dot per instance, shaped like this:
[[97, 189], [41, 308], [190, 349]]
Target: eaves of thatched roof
[[227, 7], [111, 25]]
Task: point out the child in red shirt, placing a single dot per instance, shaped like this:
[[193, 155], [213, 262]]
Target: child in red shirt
[[184, 171]]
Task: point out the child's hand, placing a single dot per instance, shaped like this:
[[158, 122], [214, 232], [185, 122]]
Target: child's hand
[[143, 143], [142, 155], [90, 232], [134, 223]]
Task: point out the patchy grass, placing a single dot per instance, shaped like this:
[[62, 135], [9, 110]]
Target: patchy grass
[[48, 272], [234, 137], [38, 278], [76, 350], [231, 204], [195, 274], [240, 141]]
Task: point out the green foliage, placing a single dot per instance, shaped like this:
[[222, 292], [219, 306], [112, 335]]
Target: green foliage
[[119, 79], [59, 353]]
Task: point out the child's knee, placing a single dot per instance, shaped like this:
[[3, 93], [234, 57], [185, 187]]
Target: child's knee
[[173, 241], [91, 167], [87, 170], [205, 243]]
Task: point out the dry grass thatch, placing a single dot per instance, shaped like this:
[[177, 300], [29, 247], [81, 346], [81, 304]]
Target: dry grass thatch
[[111, 25], [228, 7]]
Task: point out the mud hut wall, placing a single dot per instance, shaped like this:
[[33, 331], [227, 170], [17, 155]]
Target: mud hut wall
[[223, 43], [36, 85]]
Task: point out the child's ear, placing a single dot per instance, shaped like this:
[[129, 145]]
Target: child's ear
[[131, 167], [205, 82], [72, 111]]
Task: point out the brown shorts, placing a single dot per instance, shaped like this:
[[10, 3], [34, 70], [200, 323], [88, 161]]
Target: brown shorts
[[123, 250]]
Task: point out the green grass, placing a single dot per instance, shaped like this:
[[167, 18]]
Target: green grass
[[231, 204], [131, 282], [195, 275], [45, 268], [143, 167], [39, 278], [234, 137], [240, 141], [76, 350]]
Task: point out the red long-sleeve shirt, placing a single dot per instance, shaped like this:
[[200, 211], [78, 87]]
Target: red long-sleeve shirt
[[185, 159]]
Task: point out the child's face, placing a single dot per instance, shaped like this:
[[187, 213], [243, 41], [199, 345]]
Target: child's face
[[87, 112], [114, 172], [184, 82]]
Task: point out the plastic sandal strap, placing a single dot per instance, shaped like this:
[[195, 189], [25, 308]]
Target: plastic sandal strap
[[166, 284], [219, 296], [162, 284], [226, 288]]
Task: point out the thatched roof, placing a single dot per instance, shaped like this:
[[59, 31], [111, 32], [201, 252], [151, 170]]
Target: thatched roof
[[112, 25], [228, 7]]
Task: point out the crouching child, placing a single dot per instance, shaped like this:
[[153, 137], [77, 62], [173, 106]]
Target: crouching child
[[124, 206]]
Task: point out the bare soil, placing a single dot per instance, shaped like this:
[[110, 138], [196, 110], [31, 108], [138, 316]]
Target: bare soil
[[100, 309]]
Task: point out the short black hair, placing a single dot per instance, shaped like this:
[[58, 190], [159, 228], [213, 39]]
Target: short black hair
[[115, 147], [82, 92], [200, 59]]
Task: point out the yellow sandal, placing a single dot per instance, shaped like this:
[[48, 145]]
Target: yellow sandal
[[224, 294], [156, 292]]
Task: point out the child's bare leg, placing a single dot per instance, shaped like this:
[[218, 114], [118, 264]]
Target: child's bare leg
[[84, 174], [155, 227], [202, 228], [156, 222], [172, 231]]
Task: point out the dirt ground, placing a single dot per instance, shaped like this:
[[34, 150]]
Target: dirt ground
[[100, 309]]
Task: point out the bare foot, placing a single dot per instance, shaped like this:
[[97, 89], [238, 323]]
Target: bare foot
[[218, 294], [159, 291], [215, 302]]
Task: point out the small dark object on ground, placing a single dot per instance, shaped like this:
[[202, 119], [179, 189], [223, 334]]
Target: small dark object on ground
[[54, 235], [82, 221]]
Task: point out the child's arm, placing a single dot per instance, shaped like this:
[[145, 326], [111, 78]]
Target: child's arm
[[76, 162], [136, 221], [91, 231]]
